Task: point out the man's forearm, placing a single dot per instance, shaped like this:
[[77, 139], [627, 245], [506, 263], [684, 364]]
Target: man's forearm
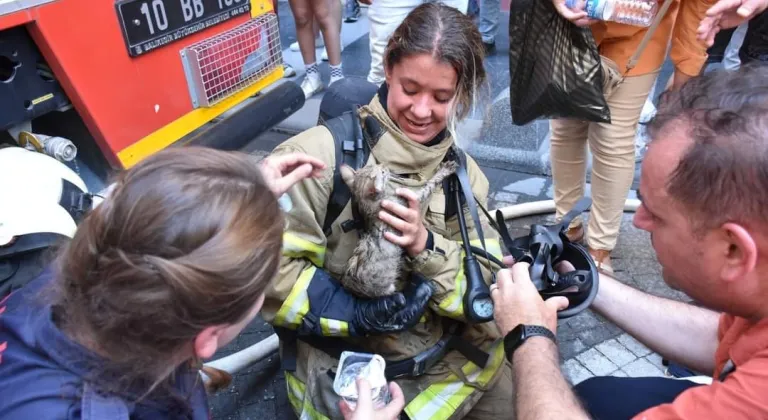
[[678, 331], [541, 392]]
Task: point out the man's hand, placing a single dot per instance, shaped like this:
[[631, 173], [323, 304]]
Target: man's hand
[[727, 14], [516, 301], [364, 409], [407, 221], [577, 15], [281, 172]]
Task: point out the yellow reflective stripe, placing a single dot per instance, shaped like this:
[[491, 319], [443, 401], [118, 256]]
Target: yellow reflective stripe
[[302, 405], [297, 247], [493, 246], [332, 327], [441, 400], [453, 305], [296, 305]]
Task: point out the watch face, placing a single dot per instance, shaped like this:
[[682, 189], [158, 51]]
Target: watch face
[[483, 307]]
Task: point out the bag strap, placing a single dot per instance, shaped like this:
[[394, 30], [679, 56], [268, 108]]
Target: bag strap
[[353, 141], [95, 406], [648, 35]]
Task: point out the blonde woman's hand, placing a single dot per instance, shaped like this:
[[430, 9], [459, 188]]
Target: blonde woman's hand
[[577, 15], [364, 409], [281, 172]]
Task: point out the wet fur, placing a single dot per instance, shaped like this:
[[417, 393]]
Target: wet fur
[[376, 263]]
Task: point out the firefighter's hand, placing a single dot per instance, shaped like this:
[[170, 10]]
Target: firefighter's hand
[[364, 409], [406, 220], [516, 301], [727, 14], [281, 172], [394, 313]]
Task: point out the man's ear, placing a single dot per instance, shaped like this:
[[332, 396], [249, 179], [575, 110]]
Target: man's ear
[[740, 253], [207, 341], [348, 175]]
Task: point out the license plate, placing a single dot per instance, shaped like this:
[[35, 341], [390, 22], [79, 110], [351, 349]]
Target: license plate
[[150, 24]]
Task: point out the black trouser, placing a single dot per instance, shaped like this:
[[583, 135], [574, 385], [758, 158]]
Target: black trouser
[[754, 48], [612, 398]]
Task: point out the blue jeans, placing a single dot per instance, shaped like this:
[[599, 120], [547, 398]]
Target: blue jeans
[[489, 19], [612, 398]]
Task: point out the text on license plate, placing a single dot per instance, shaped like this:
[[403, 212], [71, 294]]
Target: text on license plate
[[149, 24]]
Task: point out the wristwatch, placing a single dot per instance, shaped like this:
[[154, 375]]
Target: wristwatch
[[520, 333]]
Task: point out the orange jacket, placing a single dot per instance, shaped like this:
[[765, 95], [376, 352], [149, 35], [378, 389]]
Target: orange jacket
[[618, 41]]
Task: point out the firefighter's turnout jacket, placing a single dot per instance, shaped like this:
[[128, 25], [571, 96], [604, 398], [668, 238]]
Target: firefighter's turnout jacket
[[451, 387]]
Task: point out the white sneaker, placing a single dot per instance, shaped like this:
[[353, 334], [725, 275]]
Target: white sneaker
[[319, 43], [288, 71], [311, 86], [324, 57]]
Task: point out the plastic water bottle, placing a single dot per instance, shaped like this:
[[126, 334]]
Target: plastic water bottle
[[630, 12]]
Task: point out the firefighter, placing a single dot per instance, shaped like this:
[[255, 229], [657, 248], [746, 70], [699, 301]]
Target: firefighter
[[434, 65]]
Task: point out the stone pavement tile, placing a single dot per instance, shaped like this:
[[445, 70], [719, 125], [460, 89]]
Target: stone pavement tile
[[596, 335], [655, 285], [575, 372], [620, 374], [655, 359], [640, 368], [633, 345], [616, 352], [596, 362], [569, 348], [507, 197]]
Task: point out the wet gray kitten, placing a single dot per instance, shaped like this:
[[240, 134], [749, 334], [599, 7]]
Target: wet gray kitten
[[376, 263]]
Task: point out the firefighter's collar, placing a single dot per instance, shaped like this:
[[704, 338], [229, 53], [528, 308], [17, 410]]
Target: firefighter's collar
[[402, 155]]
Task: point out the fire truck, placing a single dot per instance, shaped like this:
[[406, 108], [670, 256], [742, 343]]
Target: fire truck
[[101, 84]]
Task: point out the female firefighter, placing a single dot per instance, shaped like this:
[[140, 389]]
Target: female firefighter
[[434, 65]]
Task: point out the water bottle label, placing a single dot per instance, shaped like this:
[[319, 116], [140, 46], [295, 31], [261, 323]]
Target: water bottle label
[[595, 8]]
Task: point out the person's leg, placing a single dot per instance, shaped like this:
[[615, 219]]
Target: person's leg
[[303, 16], [613, 164], [489, 21], [497, 402], [568, 159], [328, 15], [384, 17], [608, 397], [731, 60], [336, 11]]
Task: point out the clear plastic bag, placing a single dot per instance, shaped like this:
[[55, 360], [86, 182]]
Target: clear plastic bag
[[554, 66], [370, 366]]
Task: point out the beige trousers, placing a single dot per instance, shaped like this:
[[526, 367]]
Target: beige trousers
[[613, 156]]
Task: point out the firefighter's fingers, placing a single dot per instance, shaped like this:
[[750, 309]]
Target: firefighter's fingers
[[412, 197], [396, 223], [407, 214]]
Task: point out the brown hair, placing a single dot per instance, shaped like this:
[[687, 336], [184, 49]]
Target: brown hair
[[723, 175], [450, 37], [188, 238]]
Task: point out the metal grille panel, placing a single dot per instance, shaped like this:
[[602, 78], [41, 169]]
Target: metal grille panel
[[233, 60]]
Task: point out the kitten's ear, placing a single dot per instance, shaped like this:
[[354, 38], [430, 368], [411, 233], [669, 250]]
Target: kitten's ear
[[381, 180], [348, 175]]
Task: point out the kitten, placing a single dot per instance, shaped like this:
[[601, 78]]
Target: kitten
[[376, 263]]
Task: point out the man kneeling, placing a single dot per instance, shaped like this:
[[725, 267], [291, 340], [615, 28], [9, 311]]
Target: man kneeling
[[704, 193]]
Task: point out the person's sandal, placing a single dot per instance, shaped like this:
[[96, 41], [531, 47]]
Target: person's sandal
[[602, 259], [575, 234]]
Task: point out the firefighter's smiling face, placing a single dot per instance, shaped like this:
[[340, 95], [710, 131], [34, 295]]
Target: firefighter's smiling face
[[421, 92]]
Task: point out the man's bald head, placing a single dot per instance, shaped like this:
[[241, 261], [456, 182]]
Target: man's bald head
[[722, 174]]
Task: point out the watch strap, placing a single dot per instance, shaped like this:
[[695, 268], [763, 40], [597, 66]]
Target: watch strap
[[515, 338]]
